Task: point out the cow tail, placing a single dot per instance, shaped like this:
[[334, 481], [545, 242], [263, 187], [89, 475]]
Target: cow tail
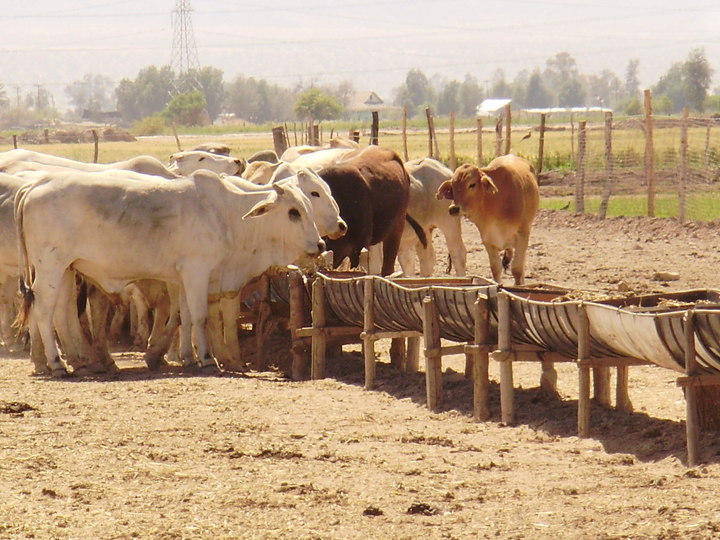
[[418, 230], [506, 260], [26, 272]]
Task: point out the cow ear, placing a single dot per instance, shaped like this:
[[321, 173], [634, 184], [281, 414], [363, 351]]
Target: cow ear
[[278, 188], [445, 190], [264, 206], [488, 183]]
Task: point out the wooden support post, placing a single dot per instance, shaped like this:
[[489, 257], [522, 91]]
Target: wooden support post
[[649, 155], [413, 355], [433, 357], [398, 353], [622, 397], [541, 143], [433, 149], [96, 148], [498, 137], [368, 329], [609, 164], [46, 136], [507, 398], [319, 320], [375, 129], [404, 134], [601, 385], [479, 123], [298, 319], [572, 140], [583, 374], [177, 139], [280, 142], [14, 141], [508, 127], [692, 424], [453, 157], [682, 198], [264, 312], [580, 178], [480, 360]]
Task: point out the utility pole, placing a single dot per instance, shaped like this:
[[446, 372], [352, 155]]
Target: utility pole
[[184, 50]]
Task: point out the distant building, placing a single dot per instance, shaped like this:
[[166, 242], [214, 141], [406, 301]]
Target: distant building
[[367, 101]]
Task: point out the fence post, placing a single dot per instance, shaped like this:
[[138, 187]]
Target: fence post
[[572, 139], [541, 144], [580, 180], [375, 131], [649, 151], [682, 200], [404, 134], [608, 166], [95, 145], [453, 157], [508, 125], [432, 139], [498, 137], [279, 140], [479, 142]]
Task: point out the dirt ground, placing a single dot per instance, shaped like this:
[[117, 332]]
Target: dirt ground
[[171, 455]]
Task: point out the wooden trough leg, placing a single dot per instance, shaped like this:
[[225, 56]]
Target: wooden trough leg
[[298, 319], [433, 358], [583, 375], [413, 355], [480, 361], [507, 390], [367, 335], [319, 341], [692, 428], [622, 396], [601, 385], [548, 379]]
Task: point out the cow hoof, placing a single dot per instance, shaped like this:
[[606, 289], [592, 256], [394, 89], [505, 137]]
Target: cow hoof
[[211, 369], [60, 373]]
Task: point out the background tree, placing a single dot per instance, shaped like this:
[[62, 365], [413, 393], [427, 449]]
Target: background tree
[[94, 92], [148, 94], [317, 105], [500, 87], [449, 98], [470, 96], [258, 101], [210, 81], [605, 89], [572, 94], [632, 80], [188, 109], [698, 76], [4, 99], [537, 95], [416, 93]]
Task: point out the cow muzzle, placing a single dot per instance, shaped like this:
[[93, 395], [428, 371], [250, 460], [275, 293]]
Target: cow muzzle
[[340, 231], [454, 210]]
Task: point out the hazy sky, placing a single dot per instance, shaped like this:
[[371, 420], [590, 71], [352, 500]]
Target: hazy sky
[[370, 42]]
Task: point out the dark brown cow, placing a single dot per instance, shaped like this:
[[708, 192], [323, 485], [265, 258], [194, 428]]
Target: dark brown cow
[[371, 188], [501, 200]]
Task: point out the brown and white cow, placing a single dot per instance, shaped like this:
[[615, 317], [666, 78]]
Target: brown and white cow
[[501, 200]]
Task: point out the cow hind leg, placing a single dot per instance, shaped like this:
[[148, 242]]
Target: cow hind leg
[[196, 298], [45, 291], [518, 263]]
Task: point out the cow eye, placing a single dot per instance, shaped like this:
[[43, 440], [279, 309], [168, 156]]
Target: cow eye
[[201, 158], [471, 185], [294, 214], [314, 194]]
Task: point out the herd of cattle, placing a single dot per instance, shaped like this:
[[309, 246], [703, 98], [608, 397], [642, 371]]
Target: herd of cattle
[[184, 238]]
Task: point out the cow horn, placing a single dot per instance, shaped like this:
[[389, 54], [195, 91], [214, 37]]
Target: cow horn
[[278, 189]]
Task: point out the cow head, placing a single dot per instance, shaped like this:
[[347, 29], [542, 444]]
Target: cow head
[[468, 184], [325, 210]]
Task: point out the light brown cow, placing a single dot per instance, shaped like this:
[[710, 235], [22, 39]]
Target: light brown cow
[[501, 200]]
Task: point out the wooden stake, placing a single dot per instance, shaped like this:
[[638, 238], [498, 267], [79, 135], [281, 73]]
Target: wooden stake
[[602, 212], [177, 139], [649, 151], [507, 398], [580, 178], [95, 145], [453, 158], [622, 397], [480, 360], [433, 358], [541, 144], [319, 320], [583, 374], [368, 329], [682, 200], [508, 124], [404, 134], [479, 123], [692, 426], [298, 319], [375, 129]]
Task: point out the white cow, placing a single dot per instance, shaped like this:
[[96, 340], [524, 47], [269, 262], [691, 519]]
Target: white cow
[[189, 161], [315, 161], [17, 160], [426, 175], [198, 233]]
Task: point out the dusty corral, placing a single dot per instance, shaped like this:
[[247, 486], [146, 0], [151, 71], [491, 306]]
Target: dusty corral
[[169, 455]]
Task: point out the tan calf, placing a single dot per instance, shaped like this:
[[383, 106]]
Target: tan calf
[[501, 200]]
